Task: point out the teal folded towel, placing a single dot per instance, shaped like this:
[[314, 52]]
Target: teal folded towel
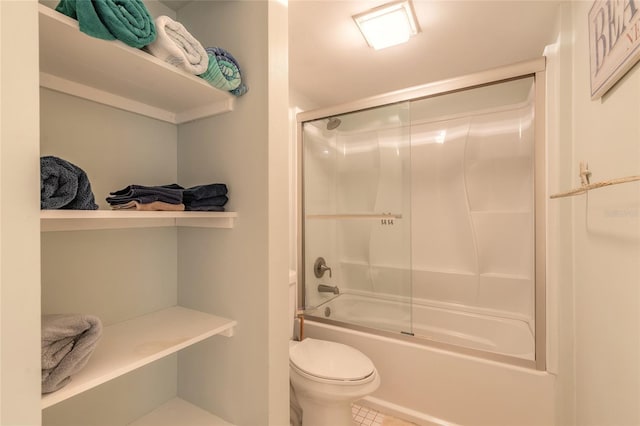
[[223, 71], [126, 20]]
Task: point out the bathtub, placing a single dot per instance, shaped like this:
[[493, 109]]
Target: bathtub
[[432, 384], [499, 335]]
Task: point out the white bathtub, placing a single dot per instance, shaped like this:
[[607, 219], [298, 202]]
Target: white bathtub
[[429, 385], [500, 335]]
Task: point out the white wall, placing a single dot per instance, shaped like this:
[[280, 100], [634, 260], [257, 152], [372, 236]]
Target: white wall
[[560, 318], [600, 374], [241, 273], [19, 219], [606, 133]]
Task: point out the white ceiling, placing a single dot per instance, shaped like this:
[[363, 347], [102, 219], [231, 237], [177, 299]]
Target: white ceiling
[[330, 63]]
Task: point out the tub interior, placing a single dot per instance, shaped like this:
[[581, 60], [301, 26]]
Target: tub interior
[[480, 331]]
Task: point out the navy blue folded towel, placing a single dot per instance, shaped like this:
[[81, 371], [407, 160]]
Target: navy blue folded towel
[[210, 197], [211, 201], [204, 208], [200, 192], [146, 194], [64, 185]]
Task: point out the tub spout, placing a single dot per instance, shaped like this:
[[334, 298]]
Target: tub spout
[[323, 288]]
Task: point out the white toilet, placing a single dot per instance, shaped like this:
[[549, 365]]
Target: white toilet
[[327, 377]]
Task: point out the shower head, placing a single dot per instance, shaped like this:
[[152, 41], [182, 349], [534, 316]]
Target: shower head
[[333, 123]]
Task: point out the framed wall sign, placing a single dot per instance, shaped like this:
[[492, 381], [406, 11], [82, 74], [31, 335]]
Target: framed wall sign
[[614, 42]]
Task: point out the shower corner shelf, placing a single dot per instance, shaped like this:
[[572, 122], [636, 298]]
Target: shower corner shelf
[[77, 220], [110, 73], [132, 344]]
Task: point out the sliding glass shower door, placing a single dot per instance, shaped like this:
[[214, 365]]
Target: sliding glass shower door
[[473, 233], [357, 243], [426, 217]]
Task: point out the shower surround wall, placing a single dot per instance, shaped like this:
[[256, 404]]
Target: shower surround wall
[[455, 173], [472, 209]]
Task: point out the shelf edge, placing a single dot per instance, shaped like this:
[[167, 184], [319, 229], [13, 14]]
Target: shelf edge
[[57, 220], [69, 87]]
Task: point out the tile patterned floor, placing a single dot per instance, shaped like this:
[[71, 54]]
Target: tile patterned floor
[[364, 416]]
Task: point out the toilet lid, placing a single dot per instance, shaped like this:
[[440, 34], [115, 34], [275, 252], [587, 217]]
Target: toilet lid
[[330, 360]]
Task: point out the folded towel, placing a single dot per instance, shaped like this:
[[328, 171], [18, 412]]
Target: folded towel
[[210, 197], [224, 72], [146, 194], [67, 344], [200, 192], [211, 201], [204, 208], [178, 47], [64, 185], [126, 20], [153, 206]]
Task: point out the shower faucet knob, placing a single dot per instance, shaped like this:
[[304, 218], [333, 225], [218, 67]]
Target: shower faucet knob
[[320, 267]]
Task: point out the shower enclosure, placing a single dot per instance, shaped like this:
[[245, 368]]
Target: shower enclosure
[[422, 214]]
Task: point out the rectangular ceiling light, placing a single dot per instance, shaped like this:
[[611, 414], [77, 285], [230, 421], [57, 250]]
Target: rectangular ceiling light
[[388, 25]]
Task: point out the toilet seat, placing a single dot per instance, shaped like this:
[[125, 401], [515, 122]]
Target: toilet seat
[[330, 361]]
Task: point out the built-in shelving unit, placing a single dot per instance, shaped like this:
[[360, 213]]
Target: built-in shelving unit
[[112, 73], [76, 220], [132, 344]]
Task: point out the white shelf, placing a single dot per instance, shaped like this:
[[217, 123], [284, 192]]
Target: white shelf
[[78, 220], [114, 74], [179, 412], [132, 344]]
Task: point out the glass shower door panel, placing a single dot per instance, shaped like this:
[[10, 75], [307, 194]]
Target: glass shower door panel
[[473, 218], [356, 217]]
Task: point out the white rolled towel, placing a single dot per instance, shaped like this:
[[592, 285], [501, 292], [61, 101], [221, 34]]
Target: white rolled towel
[[175, 45]]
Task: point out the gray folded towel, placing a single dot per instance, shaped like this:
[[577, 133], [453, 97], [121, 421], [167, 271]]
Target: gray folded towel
[[64, 185], [67, 344]]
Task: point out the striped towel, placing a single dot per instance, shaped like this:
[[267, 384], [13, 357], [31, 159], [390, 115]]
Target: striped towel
[[224, 72]]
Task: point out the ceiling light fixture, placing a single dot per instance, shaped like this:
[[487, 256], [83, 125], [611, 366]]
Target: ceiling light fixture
[[388, 25]]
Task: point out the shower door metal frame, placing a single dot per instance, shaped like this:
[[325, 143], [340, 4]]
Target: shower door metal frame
[[533, 68]]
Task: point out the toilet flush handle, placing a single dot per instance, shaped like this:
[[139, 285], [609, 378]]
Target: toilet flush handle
[[320, 267]]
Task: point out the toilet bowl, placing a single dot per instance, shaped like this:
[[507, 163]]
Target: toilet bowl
[[327, 377]]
